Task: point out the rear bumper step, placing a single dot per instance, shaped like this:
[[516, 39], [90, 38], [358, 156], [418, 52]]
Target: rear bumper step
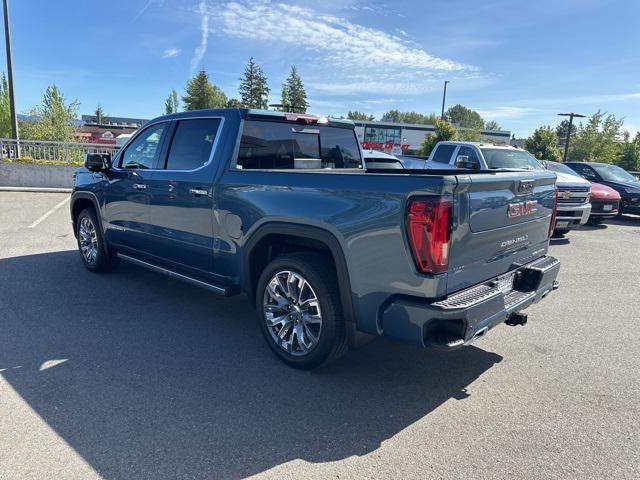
[[466, 315]]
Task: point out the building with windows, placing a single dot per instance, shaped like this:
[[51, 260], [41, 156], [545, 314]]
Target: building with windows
[[107, 130], [408, 137]]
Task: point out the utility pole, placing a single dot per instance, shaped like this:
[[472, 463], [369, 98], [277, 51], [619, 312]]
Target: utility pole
[[566, 143], [444, 97], [12, 99]]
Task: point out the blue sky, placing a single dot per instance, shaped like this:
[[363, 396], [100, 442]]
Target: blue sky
[[517, 62]]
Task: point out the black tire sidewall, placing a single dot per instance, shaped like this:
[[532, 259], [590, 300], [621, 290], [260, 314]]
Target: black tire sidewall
[[102, 262], [329, 305]]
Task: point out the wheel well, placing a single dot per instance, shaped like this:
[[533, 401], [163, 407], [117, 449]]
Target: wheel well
[[78, 206], [273, 245]]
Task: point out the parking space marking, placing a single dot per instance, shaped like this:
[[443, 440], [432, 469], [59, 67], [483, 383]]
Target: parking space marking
[[48, 214]]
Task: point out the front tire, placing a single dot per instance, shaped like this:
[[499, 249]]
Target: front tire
[[300, 311], [91, 245], [559, 233]]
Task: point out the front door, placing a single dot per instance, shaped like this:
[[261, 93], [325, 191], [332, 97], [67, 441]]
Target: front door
[[181, 209], [127, 194]]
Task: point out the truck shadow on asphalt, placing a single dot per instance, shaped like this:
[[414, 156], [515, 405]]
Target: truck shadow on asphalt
[[146, 377]]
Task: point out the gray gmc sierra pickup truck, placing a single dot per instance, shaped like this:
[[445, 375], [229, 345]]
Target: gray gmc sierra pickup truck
[[280, 207]]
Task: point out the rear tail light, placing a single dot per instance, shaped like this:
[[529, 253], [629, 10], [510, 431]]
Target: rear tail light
[[429, 230], [554, 213]]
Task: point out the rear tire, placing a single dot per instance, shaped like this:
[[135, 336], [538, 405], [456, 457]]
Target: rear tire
[[91, 244], [300, 311]]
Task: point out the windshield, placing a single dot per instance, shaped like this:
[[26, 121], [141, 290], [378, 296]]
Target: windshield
[[612, 173], [558, 167], [503, 158]]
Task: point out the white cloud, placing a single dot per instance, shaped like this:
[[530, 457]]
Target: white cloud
[[339, 46], [198, 53], [506, 112], [171, 52]]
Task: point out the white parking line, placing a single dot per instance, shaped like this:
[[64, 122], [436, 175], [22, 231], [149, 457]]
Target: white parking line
[[46, 215]]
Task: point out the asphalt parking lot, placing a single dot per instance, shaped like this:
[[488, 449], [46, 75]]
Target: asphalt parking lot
[[134, 375]]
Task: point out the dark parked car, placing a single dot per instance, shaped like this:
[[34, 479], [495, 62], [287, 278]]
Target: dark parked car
[[280, 207], [615, 177]]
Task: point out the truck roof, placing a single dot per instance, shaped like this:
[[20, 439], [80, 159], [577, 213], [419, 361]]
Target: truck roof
[[254, 112], [478, 144]]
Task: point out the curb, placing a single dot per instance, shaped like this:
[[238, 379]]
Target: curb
[[35, 189]]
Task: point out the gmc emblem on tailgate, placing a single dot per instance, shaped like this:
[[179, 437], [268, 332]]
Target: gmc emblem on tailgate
[[522, 209]]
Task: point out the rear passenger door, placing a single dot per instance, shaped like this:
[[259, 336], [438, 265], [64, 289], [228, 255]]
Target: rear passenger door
[[181, 190]]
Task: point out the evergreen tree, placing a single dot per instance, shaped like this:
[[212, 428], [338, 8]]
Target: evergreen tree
[[296, 91], [629, 156], [101, 117], [200, 93], [254, 91], [285, 102], [234, 103], [171, 104]]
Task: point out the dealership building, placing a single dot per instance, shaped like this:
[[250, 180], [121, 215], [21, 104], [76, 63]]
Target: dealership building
[[408, 137]]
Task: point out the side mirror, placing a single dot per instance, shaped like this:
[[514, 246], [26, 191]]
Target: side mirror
[[97, 162], [462, 161]]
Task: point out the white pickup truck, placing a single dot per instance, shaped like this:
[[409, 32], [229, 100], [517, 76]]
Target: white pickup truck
[[573, 192]]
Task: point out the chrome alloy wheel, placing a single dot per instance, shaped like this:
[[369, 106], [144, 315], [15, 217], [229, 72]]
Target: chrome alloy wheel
[[292, 313], [88, 237]]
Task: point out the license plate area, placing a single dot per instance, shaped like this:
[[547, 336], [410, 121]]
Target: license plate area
[[504, 283], [607, 208], [562, 224]]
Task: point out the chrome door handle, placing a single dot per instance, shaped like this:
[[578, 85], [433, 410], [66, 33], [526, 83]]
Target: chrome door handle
[[139, 186], [198, 192]]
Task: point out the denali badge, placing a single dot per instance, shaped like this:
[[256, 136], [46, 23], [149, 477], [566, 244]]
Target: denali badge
[[514, 241], [522, 209]]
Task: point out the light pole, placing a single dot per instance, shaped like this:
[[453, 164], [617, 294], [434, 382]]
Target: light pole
[[444, 97], [12, 99], [566, 143]]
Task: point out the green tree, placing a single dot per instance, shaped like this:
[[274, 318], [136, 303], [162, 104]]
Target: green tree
[[296, 92], [101, 117], [285, 101], [172, 104], [468, 135], [543, 144], [200, 93], [561, 131], [254, 91], [629, 155], [491, 125], [5, 110], [464, 117], [234, 103], [56, 118], [444, 131], [356, 115], [597, 140], [396, 116]]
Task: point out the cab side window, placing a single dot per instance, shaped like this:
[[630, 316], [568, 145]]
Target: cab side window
[[143, 152], [443, 153]]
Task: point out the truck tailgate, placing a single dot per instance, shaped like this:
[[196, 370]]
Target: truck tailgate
[[501, 221]]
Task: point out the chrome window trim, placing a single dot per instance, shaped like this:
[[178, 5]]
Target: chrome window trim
[[151, 124]]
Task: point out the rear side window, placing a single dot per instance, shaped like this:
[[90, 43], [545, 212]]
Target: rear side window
[[443, 153], [192, 143], [275, 146]]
